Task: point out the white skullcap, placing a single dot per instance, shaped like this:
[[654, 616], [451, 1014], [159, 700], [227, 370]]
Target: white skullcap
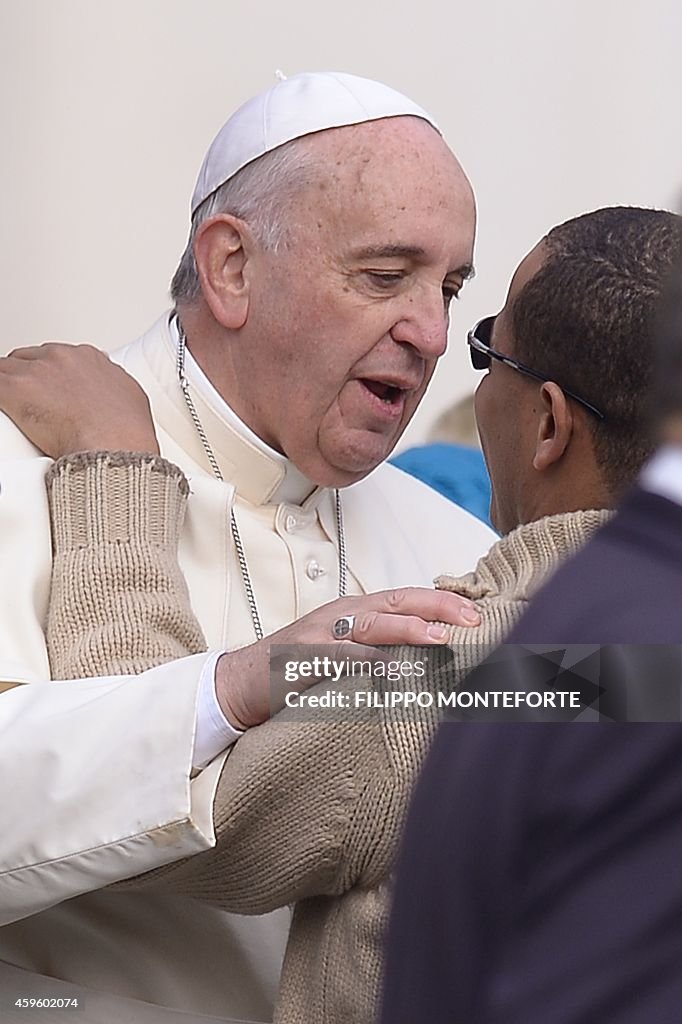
[[296, 106]]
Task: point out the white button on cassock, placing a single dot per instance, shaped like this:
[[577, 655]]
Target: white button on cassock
[[314, 570], [297, 520]]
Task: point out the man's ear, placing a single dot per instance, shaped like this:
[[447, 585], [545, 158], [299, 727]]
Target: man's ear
[[221, 249], [555, 428]]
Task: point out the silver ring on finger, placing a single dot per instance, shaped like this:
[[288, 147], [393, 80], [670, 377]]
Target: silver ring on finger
[[343, 627]]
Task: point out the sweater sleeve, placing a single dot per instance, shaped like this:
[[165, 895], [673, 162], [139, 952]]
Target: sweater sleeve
[[296, 799], [306, 806], [313, 805], [118, 602]]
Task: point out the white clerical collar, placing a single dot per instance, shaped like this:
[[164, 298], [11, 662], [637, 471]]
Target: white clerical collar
[[294, 487], [663, 473]]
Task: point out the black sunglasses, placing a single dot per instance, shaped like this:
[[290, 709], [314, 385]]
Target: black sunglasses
[[481, 354]]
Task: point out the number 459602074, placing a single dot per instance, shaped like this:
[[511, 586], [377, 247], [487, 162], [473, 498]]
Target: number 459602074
[[46, 1003]]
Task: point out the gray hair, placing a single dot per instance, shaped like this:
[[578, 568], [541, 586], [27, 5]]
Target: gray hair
[[258, 194]]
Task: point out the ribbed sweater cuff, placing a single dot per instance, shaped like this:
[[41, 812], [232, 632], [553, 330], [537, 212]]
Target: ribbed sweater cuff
[[118, 601], [111, 497]]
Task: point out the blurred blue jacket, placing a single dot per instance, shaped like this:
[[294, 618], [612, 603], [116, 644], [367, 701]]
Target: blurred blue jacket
[[455, 470]]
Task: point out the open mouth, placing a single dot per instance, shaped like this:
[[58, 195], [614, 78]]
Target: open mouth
[[388, 393]]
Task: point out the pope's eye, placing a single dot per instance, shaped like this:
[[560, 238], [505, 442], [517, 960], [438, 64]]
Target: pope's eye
[[384, 278]]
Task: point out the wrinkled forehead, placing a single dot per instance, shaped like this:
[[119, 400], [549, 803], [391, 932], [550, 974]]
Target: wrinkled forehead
[[392, 175], [371, 147]]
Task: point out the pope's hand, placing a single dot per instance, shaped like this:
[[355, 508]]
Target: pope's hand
[[72, 398], [411, 615]]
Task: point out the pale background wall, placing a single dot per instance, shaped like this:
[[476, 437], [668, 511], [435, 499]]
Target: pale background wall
[[554, 108]]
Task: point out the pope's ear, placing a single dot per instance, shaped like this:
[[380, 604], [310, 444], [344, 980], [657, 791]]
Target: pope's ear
[[555, 427], [221, 250]]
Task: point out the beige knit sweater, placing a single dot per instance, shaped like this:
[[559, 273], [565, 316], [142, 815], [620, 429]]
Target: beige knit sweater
[[307, 811], [116, 522]]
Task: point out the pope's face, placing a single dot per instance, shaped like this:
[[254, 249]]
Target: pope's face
[[347, 320]]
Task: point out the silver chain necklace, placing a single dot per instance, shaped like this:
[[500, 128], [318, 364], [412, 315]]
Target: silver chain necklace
[[236, 537]]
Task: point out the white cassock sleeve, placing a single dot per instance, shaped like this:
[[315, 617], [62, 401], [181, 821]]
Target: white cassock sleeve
[[96, 783], [95, 772]]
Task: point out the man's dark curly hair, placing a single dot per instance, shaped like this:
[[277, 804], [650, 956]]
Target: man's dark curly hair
[[667, 392], [588, 320]]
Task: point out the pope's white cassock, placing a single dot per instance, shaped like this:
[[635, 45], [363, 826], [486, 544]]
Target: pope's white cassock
[[96, 773]]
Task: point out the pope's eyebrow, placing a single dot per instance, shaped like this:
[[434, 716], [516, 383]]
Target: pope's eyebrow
[[414, 252], [378, 252]]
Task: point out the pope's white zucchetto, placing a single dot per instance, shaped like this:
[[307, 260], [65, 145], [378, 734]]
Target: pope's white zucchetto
[[296, 106]]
